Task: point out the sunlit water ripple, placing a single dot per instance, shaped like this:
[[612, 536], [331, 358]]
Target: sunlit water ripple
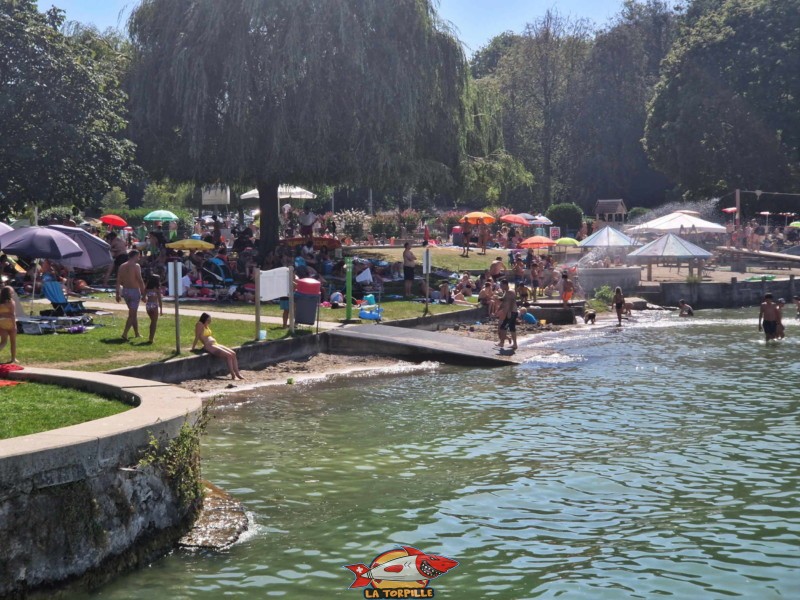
[[661, 459]]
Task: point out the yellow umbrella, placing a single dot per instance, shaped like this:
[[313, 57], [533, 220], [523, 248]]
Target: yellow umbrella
[[191, 245], [476, 218]]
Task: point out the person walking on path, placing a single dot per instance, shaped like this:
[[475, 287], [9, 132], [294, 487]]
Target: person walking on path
[[204, 335], [409, 262], [619, 304], [769, 317], [153, 303], [8, 321], [130, 286], [507, 315]]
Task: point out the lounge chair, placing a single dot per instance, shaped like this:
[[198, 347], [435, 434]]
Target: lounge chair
[[53, 291]]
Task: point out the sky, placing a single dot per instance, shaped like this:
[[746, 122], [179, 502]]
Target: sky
[[475, 21]]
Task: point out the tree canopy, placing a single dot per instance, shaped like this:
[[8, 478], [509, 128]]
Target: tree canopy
[[726, 112], [296, 91], [61, 115]]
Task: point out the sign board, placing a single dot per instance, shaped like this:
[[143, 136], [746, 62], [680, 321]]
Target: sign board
[[215, 195], [555, 233], [172, 279], [426, 262], [275, 283]]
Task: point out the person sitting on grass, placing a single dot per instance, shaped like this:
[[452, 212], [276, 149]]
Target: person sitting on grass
[[204, 335]]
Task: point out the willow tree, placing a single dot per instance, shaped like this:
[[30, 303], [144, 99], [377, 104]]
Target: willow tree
[[262, 92]]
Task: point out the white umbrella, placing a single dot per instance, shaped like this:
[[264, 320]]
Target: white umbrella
[[676, 223], [284, 191]]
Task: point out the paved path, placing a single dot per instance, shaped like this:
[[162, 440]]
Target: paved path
[[185, 311]]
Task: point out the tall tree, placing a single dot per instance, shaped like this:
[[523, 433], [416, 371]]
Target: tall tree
[[61, 115], [726, 112], [539, 80], [296, 91], [619, 78]]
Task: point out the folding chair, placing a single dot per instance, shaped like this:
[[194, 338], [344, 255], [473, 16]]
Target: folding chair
[[53, 291]]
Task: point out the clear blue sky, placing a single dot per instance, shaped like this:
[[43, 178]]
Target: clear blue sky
[[476, 21]]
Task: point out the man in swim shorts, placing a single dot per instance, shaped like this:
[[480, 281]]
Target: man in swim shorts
[[507, 312], [686, 310], [130, 286], [768, 318], [567, 289]]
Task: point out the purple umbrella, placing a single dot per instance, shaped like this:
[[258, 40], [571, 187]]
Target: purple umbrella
[[39, 242], [5, 228]]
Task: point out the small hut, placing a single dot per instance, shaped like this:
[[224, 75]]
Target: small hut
[[610, 212]]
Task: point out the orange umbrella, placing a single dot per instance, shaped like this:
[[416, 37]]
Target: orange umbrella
[[537, 241], [477, 217]]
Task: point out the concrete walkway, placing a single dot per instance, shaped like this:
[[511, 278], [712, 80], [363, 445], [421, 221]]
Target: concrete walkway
[[185, 311]]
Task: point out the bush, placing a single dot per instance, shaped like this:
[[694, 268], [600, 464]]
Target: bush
[[604, 294], [567, 215], [385, 224], [409, 220], [637, 212], [352, 223]]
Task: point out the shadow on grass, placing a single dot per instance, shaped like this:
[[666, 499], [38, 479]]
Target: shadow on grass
[[115, 341]]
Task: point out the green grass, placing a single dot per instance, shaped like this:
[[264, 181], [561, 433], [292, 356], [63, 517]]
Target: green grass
[[33, 407], [441, 258], [102, 348]]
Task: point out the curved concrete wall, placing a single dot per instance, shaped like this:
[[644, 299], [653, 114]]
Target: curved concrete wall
[[73, 499]]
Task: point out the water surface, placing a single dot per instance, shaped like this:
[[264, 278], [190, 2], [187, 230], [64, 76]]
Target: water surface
[[657, 460]]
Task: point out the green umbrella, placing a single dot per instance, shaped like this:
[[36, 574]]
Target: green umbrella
[[794, 224], [161, 215], [567, 241]]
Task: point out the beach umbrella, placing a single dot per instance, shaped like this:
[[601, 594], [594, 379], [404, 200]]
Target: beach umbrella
[[537, 241], [477, 217], [794, 224], [515, 220], [607, 237], [541, 220], [730, 210], [161, 215], [191, 244], [39, 242], [567, 241], [284, 192], [527, 216], [113, 220], [96, 252], [5, 228]]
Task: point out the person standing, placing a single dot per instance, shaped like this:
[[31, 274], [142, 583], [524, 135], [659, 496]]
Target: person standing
[[619, 304], [769, 317], [153, 303], [8, 321], [307, 220], [467, 236], [567, 289], [130, 286], [409, 263], [507, 314]]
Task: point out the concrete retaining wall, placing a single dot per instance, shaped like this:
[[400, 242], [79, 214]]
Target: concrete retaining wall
[[726, 295], [625, 277], [73, 501]]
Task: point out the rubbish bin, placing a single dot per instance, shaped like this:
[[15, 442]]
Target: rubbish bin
[[306, 299], [305, 308], [458, 236]]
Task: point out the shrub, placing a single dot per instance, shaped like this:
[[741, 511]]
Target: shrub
[[385, 224], [637, 212], [567, 215], [352, 223], [604, 294]]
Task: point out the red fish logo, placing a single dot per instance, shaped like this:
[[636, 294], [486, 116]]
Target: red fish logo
[[404, 567]]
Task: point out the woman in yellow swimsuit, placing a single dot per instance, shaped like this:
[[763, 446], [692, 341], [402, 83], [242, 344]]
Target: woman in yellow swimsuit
[[204, 335], [8, 321]]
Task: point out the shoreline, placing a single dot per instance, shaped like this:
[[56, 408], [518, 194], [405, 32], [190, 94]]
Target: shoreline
[[324, 367]]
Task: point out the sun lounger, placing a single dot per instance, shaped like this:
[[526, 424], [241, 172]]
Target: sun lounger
[[53, 291]]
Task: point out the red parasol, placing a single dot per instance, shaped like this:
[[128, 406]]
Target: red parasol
[[537, 241], [515, 219], [113, 220]]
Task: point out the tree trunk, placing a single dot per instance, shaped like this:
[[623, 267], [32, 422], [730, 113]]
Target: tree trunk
[[270, 224]]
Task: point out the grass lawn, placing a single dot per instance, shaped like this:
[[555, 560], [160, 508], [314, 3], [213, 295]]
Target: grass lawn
[[102, 348], [34, 407], [449, 259]]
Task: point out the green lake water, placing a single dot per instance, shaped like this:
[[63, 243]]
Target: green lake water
[[659, 460]]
